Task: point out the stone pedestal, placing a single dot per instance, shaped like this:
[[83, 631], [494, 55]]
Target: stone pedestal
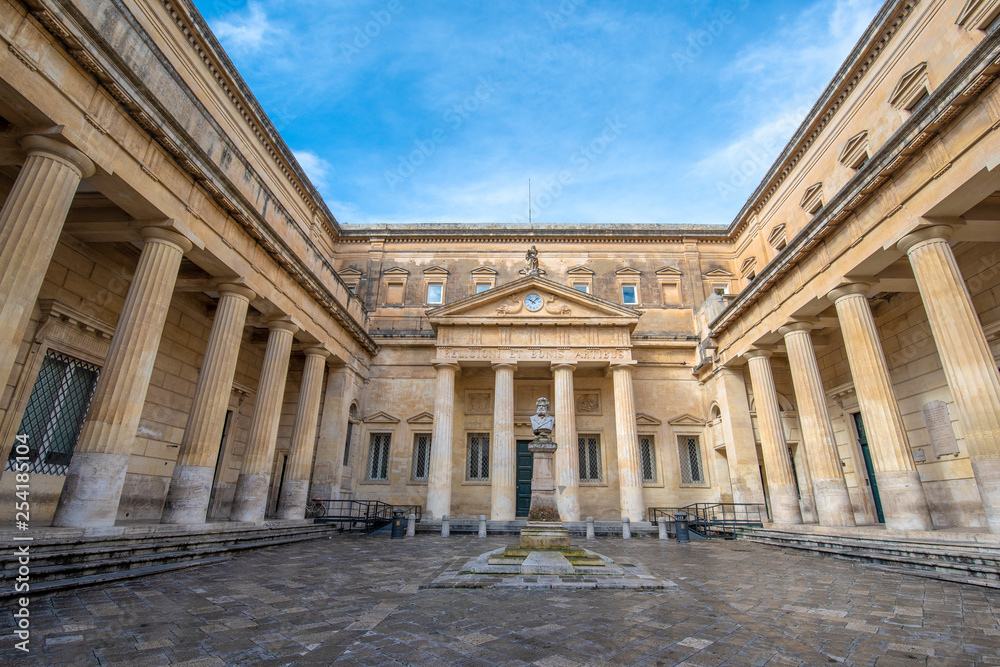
[[544, 530]]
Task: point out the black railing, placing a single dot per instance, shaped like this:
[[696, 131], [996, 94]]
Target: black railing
[[368, 515], [714, 519]]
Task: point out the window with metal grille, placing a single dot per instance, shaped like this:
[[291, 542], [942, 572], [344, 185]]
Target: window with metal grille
[[55, 413], [647, 458], [378, 456], [421, 457], [590, 457], [690, 454], [479, 457]]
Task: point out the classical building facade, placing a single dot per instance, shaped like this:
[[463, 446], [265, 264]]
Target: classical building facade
[[190, 335]]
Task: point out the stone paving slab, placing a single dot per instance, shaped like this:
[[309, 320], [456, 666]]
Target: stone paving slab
[[357, 600]]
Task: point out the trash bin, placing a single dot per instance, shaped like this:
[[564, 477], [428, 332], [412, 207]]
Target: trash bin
[[681, 523], [398, 525]]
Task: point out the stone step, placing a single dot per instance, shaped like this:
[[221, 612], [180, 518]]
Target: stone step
[[963, 563], [639, 529]]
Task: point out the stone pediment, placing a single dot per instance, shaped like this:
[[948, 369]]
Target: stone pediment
[[505, 304], [422, 418], [642, 419], [686, 420], [380, 418], [668, 272]]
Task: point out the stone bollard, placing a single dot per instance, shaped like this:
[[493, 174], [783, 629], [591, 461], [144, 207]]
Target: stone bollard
[[661, 522], [445, 528], [411, 525], [482, 525], [590, 528], [626, 528]]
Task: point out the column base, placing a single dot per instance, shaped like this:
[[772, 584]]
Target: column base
[[785, 503], [833, 502], [987, 472], [92, 490], [903, 503], [187, 499], [250, 500], [292, 502]]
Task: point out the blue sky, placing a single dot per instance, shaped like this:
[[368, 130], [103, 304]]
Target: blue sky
[[440, 112]]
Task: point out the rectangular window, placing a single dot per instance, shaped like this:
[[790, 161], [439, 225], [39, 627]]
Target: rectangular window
[[435, 292], [394, 295], [689, 449], [590, 457], [647, 458], [378, 456], [55, 413], [482, 287], [478, 469], [582, 287], [629, 296], [421, 457]]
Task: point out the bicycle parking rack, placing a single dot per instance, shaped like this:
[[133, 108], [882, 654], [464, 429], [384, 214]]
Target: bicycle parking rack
[[367, 515], [708, 520]]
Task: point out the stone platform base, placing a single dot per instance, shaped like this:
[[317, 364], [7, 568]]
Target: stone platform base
[[513, 567]]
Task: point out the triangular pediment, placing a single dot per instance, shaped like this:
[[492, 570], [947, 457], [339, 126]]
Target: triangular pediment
[[718, 273], [380, 418], [628, 271], [642, 419], [749, 263], [579, 271], [396, 271], [422, 418], [506, 304], [348, 272], [668, 272], [978, 14], [436, 271], [686, 420], [484, 271]]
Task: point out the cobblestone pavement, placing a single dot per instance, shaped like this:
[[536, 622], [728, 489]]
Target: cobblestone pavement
[[355, 600]]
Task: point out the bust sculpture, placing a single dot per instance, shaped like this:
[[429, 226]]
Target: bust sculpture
[[542, 422]]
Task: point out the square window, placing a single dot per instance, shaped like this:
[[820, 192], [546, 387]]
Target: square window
[[582, 287], [647, 458], [435, 293], [478, 468], [629, 295], [590, 457], [482, 287], [378, 456], [720, 289], [689, 449], [394, 295], [421, 457]]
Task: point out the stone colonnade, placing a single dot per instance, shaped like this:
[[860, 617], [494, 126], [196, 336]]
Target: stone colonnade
[[31, 222], [503, 460], [972, 376]]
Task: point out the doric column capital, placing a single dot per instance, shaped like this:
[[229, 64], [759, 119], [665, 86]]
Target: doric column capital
[[848, 289], [320, 352], [443, 364], [757, 353], [563, 365], [510, 363], [623, 365], [932, 234], [156, 233], [793, 327], [236, 289], [283, 325], [36, 144]]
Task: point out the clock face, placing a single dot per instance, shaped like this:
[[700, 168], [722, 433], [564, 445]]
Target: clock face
[[533, 302]]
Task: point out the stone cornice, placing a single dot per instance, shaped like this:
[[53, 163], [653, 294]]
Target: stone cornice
[[943, 106], [92, 52], [513, 233]]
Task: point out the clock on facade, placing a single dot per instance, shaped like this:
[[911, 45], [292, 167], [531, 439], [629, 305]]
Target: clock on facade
[[533, 302]]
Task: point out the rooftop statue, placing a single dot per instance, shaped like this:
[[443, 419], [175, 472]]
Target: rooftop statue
[[532, 258]]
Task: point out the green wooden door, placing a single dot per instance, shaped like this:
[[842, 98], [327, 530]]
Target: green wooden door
[[863, 441], [524, 469]]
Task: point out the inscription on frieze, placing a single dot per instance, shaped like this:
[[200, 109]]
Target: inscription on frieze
[[540, 353]]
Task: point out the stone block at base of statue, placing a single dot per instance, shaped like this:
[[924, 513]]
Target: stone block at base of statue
[[544, 535]]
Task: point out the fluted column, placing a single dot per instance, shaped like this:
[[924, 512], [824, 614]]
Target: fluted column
[[503, 474], [250, 499], [629, 470], [567, 476], [97, 470], [741, 450], [329, 465], [30, 222], [191, 483], [295, 487], [777, 464], [903, 501], [965, 355], [439, 479], [833, 502]]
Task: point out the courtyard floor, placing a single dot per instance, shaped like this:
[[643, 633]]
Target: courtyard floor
[[356, 600]]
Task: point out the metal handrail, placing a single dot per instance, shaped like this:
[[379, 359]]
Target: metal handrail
[[715, 518], [371, 514]]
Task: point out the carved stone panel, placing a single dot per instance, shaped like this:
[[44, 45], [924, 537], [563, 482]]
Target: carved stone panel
[[478, 402], [588, 403]]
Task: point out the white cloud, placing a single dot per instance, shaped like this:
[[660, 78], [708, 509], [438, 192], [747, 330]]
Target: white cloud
[[316, 168], [246, 32]]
